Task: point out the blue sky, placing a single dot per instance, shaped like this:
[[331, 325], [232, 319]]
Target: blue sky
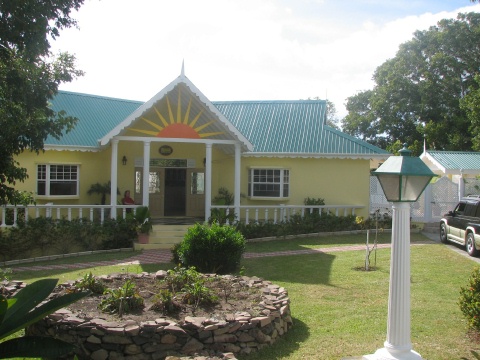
[[243, 49]]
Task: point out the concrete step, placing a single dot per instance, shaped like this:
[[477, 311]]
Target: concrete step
[[164, 237]]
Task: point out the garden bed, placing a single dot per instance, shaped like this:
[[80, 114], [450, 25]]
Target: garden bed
[[250, 314]]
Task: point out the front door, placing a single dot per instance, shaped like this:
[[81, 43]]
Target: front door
[[175, 192]]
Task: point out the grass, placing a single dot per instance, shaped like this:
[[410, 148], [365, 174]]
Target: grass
[[302, 243], [339, 311], [104, 256]]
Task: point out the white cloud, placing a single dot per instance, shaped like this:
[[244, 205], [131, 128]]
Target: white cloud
[[233, 50]]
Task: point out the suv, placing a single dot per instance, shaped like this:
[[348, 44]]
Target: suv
[[462, 225]]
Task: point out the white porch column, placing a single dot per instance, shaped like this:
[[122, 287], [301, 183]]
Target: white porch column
[[113, 179], [146, 172], [236, 193], [398, 345], [208, 180]]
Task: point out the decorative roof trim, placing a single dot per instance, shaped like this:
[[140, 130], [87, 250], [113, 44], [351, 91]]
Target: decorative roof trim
[[181, 79], [71, 148], [318, 156]]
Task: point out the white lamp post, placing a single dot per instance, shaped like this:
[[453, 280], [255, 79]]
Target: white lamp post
[[403, 179]]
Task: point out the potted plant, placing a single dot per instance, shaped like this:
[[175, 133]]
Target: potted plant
[[143, 223]]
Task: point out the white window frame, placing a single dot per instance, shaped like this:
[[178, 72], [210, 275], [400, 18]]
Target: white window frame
[[48, 181], [284, 181]]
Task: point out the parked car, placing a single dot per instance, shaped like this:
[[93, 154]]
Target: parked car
[[462, 225]]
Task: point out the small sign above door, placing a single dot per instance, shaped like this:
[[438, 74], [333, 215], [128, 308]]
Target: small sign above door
[[165, 150]]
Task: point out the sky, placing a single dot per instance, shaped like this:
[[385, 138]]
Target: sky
[[243, 49]]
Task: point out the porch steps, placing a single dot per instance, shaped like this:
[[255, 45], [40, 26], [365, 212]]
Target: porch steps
[[164, 237]]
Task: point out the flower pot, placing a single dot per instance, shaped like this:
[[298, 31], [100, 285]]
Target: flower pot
[[143, 238]]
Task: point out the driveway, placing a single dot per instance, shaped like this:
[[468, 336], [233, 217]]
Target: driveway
[[454, 247]]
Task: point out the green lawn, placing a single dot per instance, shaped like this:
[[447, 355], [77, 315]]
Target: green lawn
[[302, 243], [339, 311]]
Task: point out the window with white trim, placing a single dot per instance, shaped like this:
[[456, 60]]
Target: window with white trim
[[268, 183], [57, 180]]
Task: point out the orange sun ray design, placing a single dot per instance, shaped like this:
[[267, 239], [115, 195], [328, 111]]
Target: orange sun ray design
[[173, 126]]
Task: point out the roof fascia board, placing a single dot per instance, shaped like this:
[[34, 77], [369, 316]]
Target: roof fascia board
[[440, 167], [319, 156], [137, 113]]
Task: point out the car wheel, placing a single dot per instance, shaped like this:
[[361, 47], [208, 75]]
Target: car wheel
[[443, 233], [470, 245]]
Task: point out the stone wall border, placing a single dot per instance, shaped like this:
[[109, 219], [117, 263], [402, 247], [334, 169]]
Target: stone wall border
[[238, 333]]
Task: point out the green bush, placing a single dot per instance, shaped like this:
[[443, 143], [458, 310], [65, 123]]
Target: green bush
[[123, 300], [470, 300], [310, 223], [211, 249], [178, 277], [47, 236], [92, 283], [255, 230]]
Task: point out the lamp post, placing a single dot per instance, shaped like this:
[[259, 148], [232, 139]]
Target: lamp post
[[403, 179]]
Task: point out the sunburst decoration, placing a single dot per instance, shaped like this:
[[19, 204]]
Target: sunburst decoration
[[175, 126]]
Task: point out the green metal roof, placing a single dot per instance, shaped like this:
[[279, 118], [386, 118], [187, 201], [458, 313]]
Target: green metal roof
[[456, 160], [296, 126], [97, 116], [284, 127]]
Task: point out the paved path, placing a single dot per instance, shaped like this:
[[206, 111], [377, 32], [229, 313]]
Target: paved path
[[165, 256]]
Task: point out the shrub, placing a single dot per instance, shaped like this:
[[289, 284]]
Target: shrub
[[470, 300], [255, 230], [197, 293], [118, 233], [47, 236], [122, 300], [215, 248], [189, 285], [165, 302], [310, 223], [90, 282], [179, 276]]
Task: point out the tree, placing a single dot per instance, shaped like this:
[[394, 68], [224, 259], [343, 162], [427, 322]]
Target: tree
[[332, 119], [417, 94], [331, 115], [471, 105], [29, 77]]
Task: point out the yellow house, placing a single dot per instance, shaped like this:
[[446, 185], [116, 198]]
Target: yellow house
[[175, 151]]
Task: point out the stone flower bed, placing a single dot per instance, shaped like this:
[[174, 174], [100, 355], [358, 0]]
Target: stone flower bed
[[223, 335]]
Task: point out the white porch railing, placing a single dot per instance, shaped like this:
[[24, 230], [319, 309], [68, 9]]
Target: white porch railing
[[279, 213], [250, 213], [68, 212]]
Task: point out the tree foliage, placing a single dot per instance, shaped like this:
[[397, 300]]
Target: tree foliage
[[418, 93], [29, 77]]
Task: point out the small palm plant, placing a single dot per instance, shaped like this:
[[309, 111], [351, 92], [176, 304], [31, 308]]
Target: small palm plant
[[101, 189], [143, 220]]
